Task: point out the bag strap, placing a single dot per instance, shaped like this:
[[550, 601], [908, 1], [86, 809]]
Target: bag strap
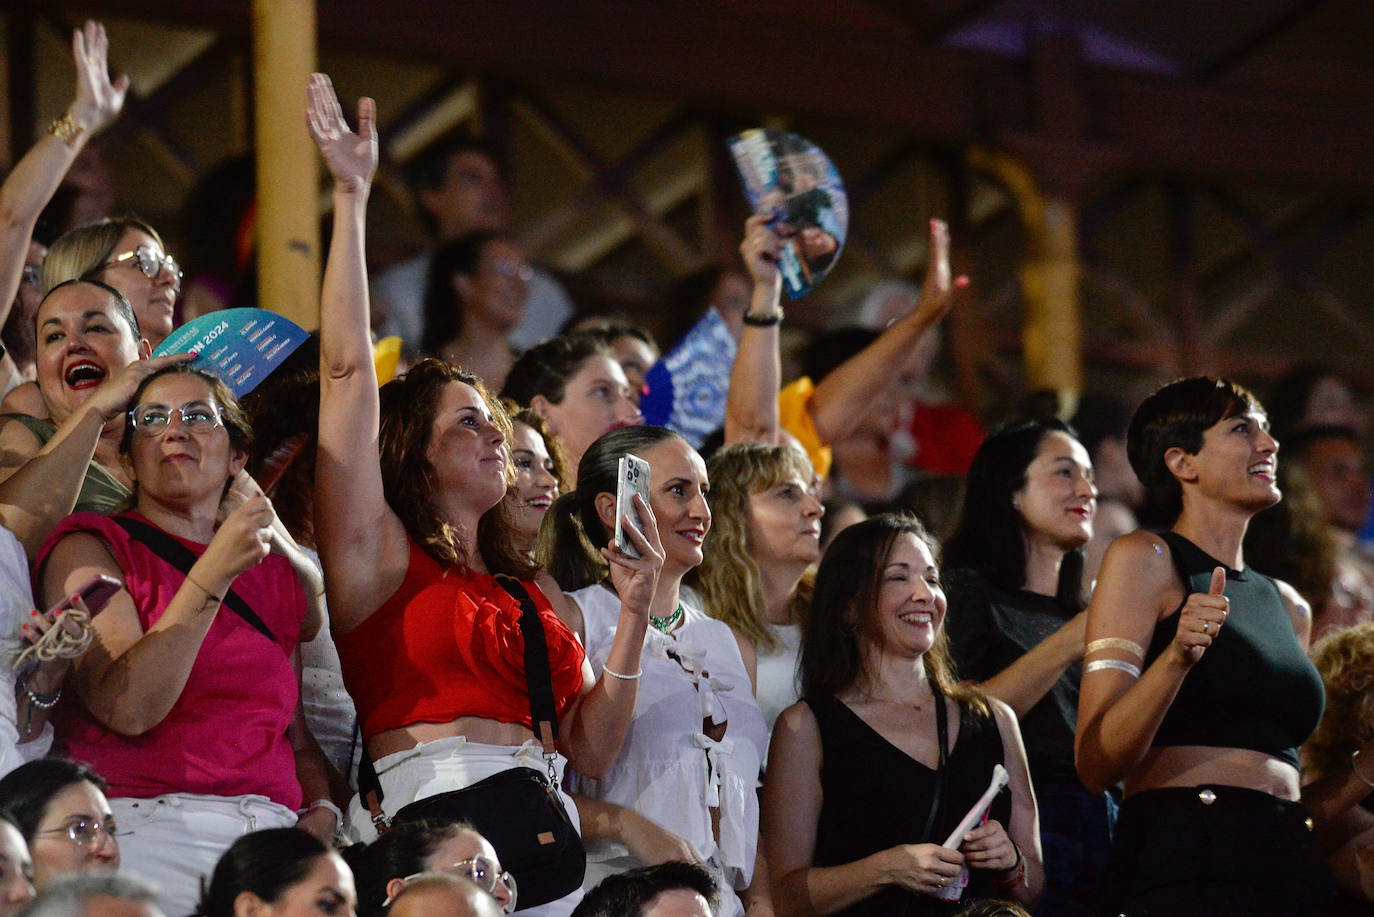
[[942, 728], [543, 710], [183, 558], [539, 675]]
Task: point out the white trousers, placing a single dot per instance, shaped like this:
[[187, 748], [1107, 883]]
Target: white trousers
[[174, 840], [437, 767]]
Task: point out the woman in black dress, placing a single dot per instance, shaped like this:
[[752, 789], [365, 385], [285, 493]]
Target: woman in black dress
[[861, 791]]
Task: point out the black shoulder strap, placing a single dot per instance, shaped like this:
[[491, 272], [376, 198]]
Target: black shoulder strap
[[181, 557], [543, 711], [942, 732]]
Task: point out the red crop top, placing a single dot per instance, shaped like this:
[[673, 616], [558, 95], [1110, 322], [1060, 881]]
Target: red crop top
[[448, 644]]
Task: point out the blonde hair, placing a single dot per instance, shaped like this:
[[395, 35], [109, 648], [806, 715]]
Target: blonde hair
[[1346, 662], [728, 578], [86, 250]]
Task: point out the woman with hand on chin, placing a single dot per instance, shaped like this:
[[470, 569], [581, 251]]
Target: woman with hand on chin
[[886, 752], [1014, 580], [1197, 690], [430, 643], [188, 698], [690, 762]]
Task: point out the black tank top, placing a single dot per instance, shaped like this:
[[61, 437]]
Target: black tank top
[[876, 796], [1254, 688]]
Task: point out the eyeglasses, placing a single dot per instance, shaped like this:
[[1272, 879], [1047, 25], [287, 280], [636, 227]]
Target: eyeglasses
[[508, 268], [151, 263], [482, 871], [196, 417], [85, 833]]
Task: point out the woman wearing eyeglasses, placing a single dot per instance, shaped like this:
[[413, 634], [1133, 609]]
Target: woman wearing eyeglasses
[[412, 848], [474, 297], [61, 809], [187, 701], [128, 254]]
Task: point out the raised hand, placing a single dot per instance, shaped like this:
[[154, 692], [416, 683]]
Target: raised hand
[[938, 288], [760, 252], [1202, 617], [636, 578], [351, 157], [98, 100]]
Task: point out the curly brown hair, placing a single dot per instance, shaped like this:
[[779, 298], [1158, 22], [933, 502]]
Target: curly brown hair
[[1346, 663], [409, 404]]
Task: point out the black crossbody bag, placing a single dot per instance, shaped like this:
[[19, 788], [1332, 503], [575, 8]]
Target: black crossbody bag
[[518, 810]]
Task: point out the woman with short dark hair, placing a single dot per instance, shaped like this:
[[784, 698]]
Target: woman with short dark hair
[[1197, 690]]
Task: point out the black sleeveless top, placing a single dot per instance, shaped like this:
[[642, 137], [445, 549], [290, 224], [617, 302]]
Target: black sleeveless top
[[1254, 688], [876, 796]]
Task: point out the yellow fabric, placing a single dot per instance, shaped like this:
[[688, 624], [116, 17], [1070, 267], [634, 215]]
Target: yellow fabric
[[794, 411], [386, 355]]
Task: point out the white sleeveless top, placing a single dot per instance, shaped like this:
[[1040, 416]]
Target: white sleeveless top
[[777, 673], [692, 674]]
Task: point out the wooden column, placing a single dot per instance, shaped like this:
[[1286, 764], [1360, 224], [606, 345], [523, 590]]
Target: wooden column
[[288, 233]]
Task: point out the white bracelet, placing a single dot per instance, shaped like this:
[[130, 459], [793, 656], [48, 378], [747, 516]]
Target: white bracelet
[[323, 804], [615, 674], [1098, 665]]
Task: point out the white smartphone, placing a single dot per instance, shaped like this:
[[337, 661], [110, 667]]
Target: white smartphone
[[633, 478]]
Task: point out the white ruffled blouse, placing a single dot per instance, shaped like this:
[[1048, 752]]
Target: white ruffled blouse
[[669, 770]]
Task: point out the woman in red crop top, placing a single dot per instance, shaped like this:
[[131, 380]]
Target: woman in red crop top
[[1196, 688], [430, 646]]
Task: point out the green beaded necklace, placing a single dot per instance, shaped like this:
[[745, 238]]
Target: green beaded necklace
[[667, 622]]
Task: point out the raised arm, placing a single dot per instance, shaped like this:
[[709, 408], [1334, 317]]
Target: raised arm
[[1120, 708], [751, 406], [361, 541], [31, 184], [842, 398], [131, 678]]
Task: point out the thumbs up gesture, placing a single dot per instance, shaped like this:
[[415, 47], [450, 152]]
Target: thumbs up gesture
[[1202, 618]]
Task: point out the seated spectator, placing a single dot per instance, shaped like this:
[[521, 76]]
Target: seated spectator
[[61, 810], [666, 890], [16, 867], [438, 894], [576, 385], [691, 759], [279, 871], [96, 895], [758, 562], [851, 821], [92, 356], [474, 298], [383, 867], [180, 703], [460, 189]]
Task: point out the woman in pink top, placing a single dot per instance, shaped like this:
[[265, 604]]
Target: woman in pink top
[[187, 701]]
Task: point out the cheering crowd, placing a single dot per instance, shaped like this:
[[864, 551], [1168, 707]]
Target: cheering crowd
[[394, 641]]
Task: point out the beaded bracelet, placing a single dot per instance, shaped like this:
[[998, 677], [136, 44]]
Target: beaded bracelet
[[615, 674]]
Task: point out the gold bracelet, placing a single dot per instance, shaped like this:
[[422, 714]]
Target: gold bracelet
[[67, 129], [1116, 643]]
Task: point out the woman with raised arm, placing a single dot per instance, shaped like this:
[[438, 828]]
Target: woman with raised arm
[[33, 181], [430, 643], [870, 773], [1197, 690], [691, 760], [1014, 580]]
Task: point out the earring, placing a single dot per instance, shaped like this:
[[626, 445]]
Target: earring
[[1015, 503]]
